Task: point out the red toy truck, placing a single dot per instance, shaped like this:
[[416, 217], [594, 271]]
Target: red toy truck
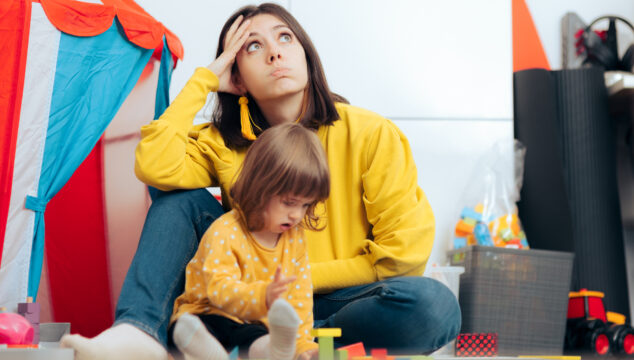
[[590, 328]]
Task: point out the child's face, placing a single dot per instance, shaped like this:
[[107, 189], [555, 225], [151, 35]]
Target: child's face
[[285, 211]]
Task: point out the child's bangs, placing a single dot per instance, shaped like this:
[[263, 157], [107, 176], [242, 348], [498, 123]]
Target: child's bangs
[[306, 181]]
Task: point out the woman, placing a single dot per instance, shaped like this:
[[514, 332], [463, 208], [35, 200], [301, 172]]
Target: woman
[[366, 263]]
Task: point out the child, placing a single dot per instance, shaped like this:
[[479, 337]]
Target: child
[[250, 276]]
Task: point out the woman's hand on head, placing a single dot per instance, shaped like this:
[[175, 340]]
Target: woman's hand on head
[[234, 40]]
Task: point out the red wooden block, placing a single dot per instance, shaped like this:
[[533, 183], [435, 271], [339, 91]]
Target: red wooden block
[[379, 354], [354, 350]]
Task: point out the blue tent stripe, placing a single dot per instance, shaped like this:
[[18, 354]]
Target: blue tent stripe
[[165, 77], [94, 75]]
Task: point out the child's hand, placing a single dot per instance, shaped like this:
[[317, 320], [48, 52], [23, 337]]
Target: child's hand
[[279, 285], [308, 354]]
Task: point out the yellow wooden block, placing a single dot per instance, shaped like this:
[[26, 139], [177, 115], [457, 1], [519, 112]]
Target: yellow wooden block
[[554, 357], [332, 332]]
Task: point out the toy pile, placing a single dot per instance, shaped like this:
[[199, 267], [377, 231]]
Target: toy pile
[[477, 228]]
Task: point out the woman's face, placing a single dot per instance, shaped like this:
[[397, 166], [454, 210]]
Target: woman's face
[[272, 62]]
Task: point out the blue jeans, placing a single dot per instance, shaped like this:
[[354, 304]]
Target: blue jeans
[[175, 223], [409, 314]]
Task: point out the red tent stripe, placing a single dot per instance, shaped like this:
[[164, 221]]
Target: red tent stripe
[[76, 229], [15, 17]]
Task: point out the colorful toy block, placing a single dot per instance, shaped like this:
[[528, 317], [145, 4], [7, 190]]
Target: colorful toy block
[[354, 350], [483, 344], [233, 355], [470, 213], [341, 354], [31, 312], [326, 343], [379, 354]]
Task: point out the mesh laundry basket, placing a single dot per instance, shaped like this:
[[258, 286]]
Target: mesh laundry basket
[[522, 295]]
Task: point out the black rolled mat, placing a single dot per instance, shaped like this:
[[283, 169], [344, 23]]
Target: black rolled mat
[[569, 200]]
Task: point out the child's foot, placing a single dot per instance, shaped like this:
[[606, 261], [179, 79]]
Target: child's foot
[[120, 342], [195, 342], [283, 324]]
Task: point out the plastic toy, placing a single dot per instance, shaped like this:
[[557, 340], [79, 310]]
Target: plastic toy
[[474, 228], [15, 330], [590, 328], [31, 312], [477, 344]]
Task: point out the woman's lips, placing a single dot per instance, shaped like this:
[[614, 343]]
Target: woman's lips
[[279, 72]]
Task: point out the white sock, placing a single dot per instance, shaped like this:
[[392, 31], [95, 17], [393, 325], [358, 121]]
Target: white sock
[[195, 342], [121, 342], [283, 325], [259, 349]]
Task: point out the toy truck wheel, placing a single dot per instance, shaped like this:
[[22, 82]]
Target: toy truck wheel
[[600, 343], [622, 339], [596, 339]]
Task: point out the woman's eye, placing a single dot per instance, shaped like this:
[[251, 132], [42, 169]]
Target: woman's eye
[[253, 47], [285, 38]]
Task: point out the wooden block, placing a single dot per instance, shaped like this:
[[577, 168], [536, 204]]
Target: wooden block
[[332, 332]]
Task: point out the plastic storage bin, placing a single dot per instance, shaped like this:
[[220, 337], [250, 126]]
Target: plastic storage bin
[[522, 295]]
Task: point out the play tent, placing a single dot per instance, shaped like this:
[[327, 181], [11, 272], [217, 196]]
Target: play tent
[[66, 69]]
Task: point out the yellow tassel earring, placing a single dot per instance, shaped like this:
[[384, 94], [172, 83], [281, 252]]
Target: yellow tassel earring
[[246, 122]]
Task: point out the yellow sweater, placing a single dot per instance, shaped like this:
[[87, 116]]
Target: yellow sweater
[[379, 222], [229, 274]]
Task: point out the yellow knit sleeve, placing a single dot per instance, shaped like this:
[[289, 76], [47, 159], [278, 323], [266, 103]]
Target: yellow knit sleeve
[[169, 155], [396, 207], [222, 276]]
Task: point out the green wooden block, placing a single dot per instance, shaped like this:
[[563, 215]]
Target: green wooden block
[[341, 354], [326, 348]]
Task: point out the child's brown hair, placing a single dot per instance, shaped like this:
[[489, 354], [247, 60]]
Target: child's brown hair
[[285, 159]]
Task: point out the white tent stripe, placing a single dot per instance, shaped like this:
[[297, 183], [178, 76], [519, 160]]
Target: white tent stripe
[[34, 114]]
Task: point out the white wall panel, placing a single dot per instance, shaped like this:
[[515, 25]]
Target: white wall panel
[[446, 153], [416, 59]]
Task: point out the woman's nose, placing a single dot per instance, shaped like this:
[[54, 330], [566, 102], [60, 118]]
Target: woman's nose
[[275, 54]]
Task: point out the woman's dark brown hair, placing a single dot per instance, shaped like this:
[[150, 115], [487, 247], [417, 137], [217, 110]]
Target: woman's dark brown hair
[[286, 159], [320, 106]]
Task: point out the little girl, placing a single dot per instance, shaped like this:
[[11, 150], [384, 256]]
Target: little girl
[[249, 283]]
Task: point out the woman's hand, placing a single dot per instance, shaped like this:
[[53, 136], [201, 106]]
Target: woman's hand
[[235, 38], [279, 285], [308, 354]]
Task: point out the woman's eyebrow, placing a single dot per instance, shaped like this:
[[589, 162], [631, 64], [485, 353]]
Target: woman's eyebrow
[[280, 26]]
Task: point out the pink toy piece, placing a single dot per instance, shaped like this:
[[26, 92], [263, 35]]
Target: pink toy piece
[[15, 329]]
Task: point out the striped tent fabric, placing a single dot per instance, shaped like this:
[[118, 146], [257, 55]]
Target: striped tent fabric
[[67, 68]]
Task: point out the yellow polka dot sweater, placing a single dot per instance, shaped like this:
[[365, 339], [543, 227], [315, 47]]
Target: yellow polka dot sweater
[[229, 274]]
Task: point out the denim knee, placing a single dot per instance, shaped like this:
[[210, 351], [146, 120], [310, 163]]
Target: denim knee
[[428, 300], [197, 207]]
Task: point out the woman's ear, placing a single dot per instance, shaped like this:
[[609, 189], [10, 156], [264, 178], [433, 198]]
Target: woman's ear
[[237, 82]]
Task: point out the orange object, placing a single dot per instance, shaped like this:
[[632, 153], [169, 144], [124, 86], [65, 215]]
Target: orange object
[[379, 354], [354, 350], [464, 227], [528, 52], [23, 346]]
